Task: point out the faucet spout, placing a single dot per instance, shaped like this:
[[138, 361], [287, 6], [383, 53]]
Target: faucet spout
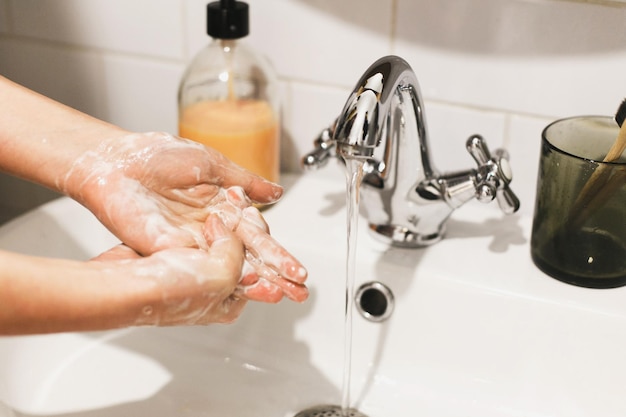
[[363, 125], [406, 201]]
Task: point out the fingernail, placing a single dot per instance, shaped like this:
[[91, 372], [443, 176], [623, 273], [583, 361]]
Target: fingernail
[[296, 273], [279, 192], [237, 196]]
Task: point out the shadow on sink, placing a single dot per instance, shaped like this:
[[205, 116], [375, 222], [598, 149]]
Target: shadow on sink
[[504, 231]]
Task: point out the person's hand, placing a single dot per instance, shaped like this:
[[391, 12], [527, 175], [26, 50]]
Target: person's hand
[[154, 191], [186, 286], [269, 271]]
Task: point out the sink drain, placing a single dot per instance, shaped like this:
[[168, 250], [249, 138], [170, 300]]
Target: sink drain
[[329, 411], [374, 301]]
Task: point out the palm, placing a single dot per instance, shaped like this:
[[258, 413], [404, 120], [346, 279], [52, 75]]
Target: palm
[[162, 195], [159, 203]]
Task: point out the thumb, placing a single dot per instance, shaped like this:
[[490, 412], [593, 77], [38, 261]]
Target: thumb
[[225, 250]]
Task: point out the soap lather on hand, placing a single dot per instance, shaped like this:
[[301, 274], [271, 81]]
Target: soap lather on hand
[[182, 211], [269, 271]]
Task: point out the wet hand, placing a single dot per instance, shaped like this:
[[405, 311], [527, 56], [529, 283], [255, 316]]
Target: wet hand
[[186, 286], [154, 191], [269, 271]]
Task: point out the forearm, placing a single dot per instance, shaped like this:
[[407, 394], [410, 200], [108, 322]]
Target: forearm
[[41, 295], [40, 138]]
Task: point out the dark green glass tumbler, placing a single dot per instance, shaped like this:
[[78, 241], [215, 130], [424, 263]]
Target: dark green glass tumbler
[[579, 224]]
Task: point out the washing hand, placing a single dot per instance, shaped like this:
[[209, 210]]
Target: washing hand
[[187, 286], [155, 191], [195, 249], [269, 271]]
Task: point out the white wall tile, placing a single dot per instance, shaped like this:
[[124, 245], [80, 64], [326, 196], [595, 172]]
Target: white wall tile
[[323, 41], [195, 35], [152, 27], [141, 94], [449, 128], [539, 57], [73, 77], [135, 93], [307, 110]]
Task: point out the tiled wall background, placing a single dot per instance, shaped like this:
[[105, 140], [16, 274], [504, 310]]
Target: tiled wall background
[[502, 68]]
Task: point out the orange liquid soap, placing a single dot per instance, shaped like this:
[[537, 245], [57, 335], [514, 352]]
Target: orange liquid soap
[[245, 131]]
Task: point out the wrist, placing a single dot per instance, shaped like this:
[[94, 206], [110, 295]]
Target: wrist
[[43, 295]]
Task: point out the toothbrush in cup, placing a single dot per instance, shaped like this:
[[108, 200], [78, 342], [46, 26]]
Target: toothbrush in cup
[[601, 185]]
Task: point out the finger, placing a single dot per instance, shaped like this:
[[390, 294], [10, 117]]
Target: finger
[[292, 290], [237, 197], [118, 252], [248, 275], [233, 201], [262, 290], [254, 216], [226, 250], [256, 187], [264, 248], [262, 191], [251, 289]]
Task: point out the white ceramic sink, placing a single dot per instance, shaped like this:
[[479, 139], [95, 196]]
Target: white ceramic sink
[[477, 330]]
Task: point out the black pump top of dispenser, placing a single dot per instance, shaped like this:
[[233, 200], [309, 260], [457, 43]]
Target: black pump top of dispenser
[[227, 19]]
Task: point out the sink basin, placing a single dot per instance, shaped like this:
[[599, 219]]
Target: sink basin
[[476, 330]]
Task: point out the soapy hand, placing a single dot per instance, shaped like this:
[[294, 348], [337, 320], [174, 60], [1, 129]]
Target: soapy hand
[[189, 286], [269, 271], [155, 191]]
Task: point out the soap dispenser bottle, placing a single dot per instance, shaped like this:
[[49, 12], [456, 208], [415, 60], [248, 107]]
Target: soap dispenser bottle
[[228, 96]]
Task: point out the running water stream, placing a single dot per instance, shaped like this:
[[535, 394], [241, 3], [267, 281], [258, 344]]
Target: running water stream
[[354, 174]]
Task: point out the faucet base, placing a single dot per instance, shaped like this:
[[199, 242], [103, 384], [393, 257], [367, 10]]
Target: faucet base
[[402, 237]]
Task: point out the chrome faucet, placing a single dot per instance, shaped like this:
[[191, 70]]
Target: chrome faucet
[[405, 200]]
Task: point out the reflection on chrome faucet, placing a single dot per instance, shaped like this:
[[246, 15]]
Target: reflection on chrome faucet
[[405, 200]]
